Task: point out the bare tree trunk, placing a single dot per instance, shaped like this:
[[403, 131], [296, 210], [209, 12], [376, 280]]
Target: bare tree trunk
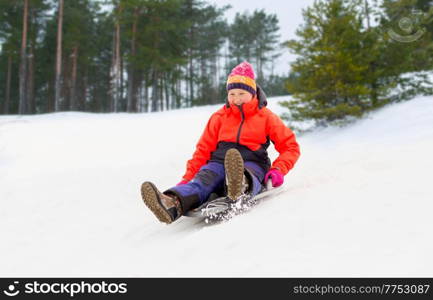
[[131, 71], [72, 93], [121, 88], [116, 68], [191, 79], [83, 99], [172, 83], [217, 71], [154, 91], [66, 85], [160, 95], [260, 68], [186, 86], [138, 95], [8, 86], [167, 94], [146, 92], [173, 86], [272, 68], [202, 79], [58, 57], [31, 83], [50, 95], [31, 64], [141, 99], [22, 109], [112, 82], [138, 102], [213, 97], [178, 90]]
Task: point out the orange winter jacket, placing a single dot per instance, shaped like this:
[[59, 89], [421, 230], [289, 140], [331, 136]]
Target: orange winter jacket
[[249, 128]]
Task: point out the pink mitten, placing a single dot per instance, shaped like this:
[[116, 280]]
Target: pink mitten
[[276, 177]]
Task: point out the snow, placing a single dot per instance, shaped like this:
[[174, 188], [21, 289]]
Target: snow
[[358, 202]]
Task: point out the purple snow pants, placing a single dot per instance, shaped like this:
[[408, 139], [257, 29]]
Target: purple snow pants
[[210, 179]]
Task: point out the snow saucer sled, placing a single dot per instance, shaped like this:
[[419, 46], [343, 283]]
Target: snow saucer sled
[[222, 208]]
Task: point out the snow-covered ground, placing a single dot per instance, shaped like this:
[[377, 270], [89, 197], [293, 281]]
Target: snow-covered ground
[[358, 203]]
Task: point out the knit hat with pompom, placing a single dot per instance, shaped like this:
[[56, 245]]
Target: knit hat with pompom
[[242, 77]]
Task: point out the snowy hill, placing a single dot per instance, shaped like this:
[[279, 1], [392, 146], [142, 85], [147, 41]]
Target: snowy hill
[[358, 203]]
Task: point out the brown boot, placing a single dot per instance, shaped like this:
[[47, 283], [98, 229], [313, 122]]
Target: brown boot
[[166, 208], [235, 179]]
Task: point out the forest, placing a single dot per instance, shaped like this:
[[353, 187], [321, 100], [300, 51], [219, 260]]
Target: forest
[[353, 56], [126, 55]]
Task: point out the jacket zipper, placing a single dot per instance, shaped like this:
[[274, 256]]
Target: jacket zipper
[[240, 126]]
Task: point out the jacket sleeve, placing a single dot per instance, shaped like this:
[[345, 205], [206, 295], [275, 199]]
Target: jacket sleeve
[[285, 143], [205, 146]]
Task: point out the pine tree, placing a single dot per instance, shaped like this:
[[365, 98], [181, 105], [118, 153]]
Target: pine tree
[[331, 69], [255, 38], [23, 105], [18, 53], [116, 71], [57, 84], [266, 42], [10, 35], [37, 22], [143, 55], [210, 39], [408, 28]]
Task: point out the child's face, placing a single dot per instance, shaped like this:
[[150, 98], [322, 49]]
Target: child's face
[[239, 96]]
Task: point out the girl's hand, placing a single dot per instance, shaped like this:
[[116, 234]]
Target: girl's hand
[[276, 177]]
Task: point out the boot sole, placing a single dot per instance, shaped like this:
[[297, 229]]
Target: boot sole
[[149, 193], [234, 167]]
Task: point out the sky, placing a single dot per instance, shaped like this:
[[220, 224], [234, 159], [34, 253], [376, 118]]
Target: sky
[[289, 14]]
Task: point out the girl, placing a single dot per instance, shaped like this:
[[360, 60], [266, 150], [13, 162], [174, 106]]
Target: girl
[[231, 155]]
